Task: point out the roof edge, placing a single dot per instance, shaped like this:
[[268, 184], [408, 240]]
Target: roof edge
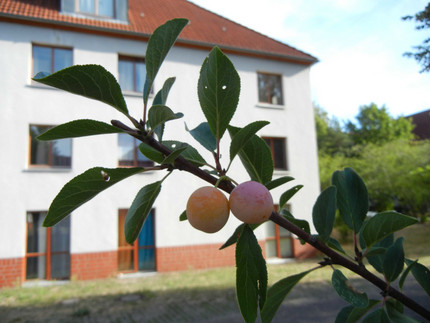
[[47, 23]]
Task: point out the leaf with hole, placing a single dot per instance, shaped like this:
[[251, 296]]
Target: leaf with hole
[[83, 188], [343, 288], [139, 210], [91, 81], [218, 91]]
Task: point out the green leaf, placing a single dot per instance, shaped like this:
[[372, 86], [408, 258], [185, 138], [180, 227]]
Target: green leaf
[[324, 211], [160, 114], [256, 158], [393, 260], [383, 224], [277, 293], [203, 134], [190, 153], [83, 188], [242, 137], [278, 182], [352, 197], [151, 153], [406, 273], [173, 155], [286, 196], [161, 96], [183, 216], [421, 274], [376, 251], [334, 244], [236, 234], [251, 275], [302, 224], [139, 210], [78, 128], [218, 90], [351, 314], [346, 291], [159, 44], [398, 317], [378, 316], [91, 81], [377, 260]]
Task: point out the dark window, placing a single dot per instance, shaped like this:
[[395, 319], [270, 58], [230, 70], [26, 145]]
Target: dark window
[[129, 153], [132, 73], [278, 148], [48, 249], [56, 153], [141, 254], [116, 9], [51, 59], [270, 88]]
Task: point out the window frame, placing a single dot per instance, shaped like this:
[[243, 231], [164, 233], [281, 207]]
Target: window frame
[[136, 151], [119, 10], [268, 102], [48, 250], [50, 150], [133, 60], [52, 63], [272, 150], [277, 237], [135, 246]]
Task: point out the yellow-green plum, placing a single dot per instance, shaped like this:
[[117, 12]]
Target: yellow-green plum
[[207, 209], [251, 202]]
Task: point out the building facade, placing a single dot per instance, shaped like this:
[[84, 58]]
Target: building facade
[[50, 35]]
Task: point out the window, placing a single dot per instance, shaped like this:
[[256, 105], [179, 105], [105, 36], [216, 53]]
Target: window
[[115, 9], [278, 241], [129, 153], [132, 73], [48, 249], [270, 89], [51, 59], [278, 148], [56, 153], [140, 255]]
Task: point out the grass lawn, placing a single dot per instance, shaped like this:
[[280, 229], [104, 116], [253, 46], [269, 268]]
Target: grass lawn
[[163, 297]]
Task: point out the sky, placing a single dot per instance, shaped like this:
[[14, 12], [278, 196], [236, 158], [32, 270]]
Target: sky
[[359, 45]]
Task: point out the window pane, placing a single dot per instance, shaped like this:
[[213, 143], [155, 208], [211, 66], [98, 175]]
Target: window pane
[[262, 89], [36, 267], [270, 88], [60, 236], [105, 8], [60, 266], [270, 229], [68, 5], [271, 248], [279, 153], [121, 7], [41, 59], [285, 248], [126, 78], [146, 235], [140, 76], [39, 150], [87, 6], [36, 233], [62, 58], [125, 260], [125, 149], [62, 153], [146, 259]]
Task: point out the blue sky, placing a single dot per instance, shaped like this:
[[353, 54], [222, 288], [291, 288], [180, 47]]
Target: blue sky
[[359, 44]]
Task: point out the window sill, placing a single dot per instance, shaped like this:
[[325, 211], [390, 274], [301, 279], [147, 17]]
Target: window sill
[[281, 172], [270, 106], [36, 85], [133, 94], [35, 169], [94, 17]]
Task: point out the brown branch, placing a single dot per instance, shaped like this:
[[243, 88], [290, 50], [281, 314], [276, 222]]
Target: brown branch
[[336, 258]]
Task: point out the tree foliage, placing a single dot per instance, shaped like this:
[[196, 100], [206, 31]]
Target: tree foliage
[[422, 52]]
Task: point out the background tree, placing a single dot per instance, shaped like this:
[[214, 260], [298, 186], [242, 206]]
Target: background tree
[[376, 126], [422, 52]]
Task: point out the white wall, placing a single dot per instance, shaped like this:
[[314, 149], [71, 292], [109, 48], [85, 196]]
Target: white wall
[[95, 225]]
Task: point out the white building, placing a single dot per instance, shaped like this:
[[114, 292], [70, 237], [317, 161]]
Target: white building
[[48, 35]]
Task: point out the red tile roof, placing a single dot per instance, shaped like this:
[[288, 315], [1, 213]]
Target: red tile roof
[[205, 29]]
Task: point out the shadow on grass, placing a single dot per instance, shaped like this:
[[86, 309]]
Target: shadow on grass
[[306, 303]]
